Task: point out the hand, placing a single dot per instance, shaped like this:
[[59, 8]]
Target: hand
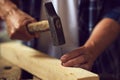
[[16, 25], [81, 57]]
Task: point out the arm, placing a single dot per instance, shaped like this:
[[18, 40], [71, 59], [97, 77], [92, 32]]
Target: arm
[[104, 34], [16, 20], [6, 6]]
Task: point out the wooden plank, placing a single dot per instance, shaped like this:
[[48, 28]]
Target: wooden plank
[[41, 65], [9, 71], [36, 78]]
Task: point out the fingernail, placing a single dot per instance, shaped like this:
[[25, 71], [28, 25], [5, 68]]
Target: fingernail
[[63, 64], [63, 58]]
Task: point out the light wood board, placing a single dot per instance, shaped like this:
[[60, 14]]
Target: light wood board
[[9, 71], [41, 65]]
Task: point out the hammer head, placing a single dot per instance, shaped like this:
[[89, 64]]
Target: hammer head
[[55, 25]]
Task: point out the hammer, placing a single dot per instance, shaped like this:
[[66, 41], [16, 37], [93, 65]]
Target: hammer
[[53, 24]]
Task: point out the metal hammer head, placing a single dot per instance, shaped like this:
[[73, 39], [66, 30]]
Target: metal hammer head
[[55, 25]]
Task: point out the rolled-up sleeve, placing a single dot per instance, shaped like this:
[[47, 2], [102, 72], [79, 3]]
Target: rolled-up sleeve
[[114, 14]]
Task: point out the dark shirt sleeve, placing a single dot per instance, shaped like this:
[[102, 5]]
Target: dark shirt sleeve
[[114, 14]]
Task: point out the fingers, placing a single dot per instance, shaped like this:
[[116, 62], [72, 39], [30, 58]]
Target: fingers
[[71, 55], [80, 62], [21, 35], [78, 58], [16, 24], [75, 61]]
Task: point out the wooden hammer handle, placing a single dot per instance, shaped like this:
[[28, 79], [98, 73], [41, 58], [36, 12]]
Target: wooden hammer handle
[[40, 26]]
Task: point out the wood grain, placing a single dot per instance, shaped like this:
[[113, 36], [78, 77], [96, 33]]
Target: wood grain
[[9, 71], [42, 65]]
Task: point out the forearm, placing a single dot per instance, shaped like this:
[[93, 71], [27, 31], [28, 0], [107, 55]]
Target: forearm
[[6, 7], [103, 35]]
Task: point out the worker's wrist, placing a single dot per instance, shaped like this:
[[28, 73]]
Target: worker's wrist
[[93, 49], [6, 7]]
